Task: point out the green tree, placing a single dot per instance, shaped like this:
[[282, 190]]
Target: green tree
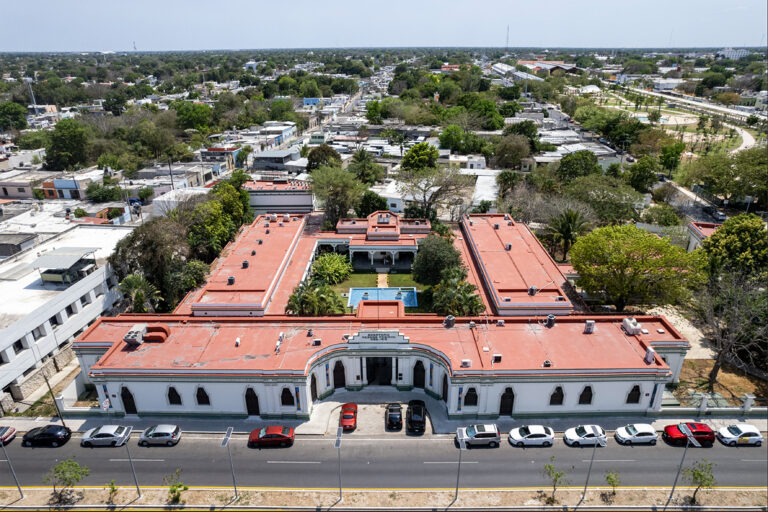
[[373, 112], [370, 202], [114, 102], [566, 228], [654, 116], [507, 180], [113, 213], [145, 193], [175, 487], [322, 155], [141, 295], [718, 174], [740, 244], [12, 116], [662, 215], [577, 164], [242, 155], [331, 268], [366, 169], [421, 156], [455, 296], [452, 137], [612, 200], [644, 173], [79, 212], [557, 477], [752, 168], [626, 265], [527, 129], [430, 186], [197, 116], [612, 479], [337, 191], [34, 139], [395, 137], [510, 151], [311, 299], [68, 146], [700, 475], [210, 228], [435, 255], [98, 193], [66, 474], [670, 156]]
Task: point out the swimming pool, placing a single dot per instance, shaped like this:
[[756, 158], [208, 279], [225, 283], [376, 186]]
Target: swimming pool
[[405, 295]]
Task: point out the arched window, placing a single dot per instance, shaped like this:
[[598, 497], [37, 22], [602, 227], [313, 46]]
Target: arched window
[[556, 398], [634, 396], [286, 397], [585, 398], [470, 399], [173, 396], [202, 397]]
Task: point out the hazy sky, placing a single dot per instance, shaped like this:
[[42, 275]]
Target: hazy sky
[[100, 25]]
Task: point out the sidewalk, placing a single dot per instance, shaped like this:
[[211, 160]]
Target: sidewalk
[[324, 418]]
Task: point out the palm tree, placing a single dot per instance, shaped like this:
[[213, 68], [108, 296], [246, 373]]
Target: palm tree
[[365, 167], [455, 296], [313, 299], [566, 228], [141, 295]]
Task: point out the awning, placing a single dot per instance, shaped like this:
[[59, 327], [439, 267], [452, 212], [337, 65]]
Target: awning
[[64, 257]]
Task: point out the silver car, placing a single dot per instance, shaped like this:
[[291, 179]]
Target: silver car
[[168, 435], [106, 435], [476, 435]]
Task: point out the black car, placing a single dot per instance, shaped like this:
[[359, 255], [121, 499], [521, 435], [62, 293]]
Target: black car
[[416, 416], [394, 416], [51, 435]]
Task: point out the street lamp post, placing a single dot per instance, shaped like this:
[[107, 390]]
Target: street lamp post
[[598, 440], [462, 447], [130, 461], [337, 445], [690, 440], [225, 442], [13, 472]]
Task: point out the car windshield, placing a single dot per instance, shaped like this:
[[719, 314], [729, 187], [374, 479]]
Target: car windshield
[[150, 431], [119, 431], [524, 431], [631, 430], [349, 416], [471, 431], [262, 433], [733, 429], [286, 431], [581, 431], [395, 415]]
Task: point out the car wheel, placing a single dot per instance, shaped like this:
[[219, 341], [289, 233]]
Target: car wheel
[[87, 444], [54, 444], [27, 443], [575, 443], [493, 444], [546, 443], [520, 444], [143, 443], [627, 442], [468, 445], [758, 443], [653, 442], [732, 443], [169, 443]]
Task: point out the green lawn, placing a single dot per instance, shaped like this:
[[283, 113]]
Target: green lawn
[[356, 280], [404, 281]]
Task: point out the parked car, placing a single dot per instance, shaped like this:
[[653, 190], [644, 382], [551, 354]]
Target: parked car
[[7, 434], [106, 435], [394, 416], [733, 435], [719, 216], [50, 435], [583, 436], [531, 435], [701, 432], [478, 435], [416, 416], [271, 436], [168, 435], [636, 433], [348, 417], [630, 158]]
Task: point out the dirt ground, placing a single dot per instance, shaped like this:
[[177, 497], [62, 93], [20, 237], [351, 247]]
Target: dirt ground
[[700, 346], [394, 498], [732, 383]]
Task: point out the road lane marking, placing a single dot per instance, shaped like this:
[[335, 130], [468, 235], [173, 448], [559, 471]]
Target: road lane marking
[[137, 460], [294, 462], [754, 460], [452, 462], [610, 460]]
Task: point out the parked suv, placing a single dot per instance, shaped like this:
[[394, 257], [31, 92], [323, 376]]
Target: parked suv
[[479, 435], [416, 416], [701, 432]]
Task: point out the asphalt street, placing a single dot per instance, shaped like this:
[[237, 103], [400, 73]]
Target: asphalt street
[[381, 462]]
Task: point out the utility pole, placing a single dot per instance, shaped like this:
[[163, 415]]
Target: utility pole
[[598, 440], [462, 447], [8, 460], [47, 383], [130, 460], [337, 445], [225, 442], [689, 440]]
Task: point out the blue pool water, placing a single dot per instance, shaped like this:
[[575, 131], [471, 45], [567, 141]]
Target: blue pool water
[[405, 295]]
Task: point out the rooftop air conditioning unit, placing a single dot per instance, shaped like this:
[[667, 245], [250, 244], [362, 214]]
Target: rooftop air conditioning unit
[[273, 218], [509, 223], [266, 224], [589, 327], [317, 342], [506, 299], [346, 337], [466, 363], [496, 358], [286, 218], [547, 363], [631, 326], [231, 280], [650, 355], [135, 336]]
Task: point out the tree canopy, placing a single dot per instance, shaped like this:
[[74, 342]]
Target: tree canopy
[[68, 145], [337, 191], [740, 244], [435, 255], [322, 155]]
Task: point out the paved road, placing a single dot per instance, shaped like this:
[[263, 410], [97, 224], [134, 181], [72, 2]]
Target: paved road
[[703, 105], [382, 462]]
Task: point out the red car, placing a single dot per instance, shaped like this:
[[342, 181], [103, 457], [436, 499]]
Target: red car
[[701, 432], [348, 418], [271, 436]]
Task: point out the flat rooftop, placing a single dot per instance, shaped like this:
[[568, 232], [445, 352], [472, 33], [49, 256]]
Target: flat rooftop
[[703, 230], [276, 185], [21, 282], [206, 346], [511, 261]]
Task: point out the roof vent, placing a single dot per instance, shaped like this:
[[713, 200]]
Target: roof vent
[[471, 223], [267, 232], [550, 321], [508, 247], [560, 298], [449, 321], [589, 327], [532, 290], [466, 363], [345, 337], [237, 342], [266, 224], [650, 355], [631, 326], [496, 226], [273, 218], [472, 325], [286, 218], [135, 336], [259, 242], [245, 263], [500, 322], [509, 223], [310, 332], [317, 342], [231, 280], [253, 253], [506, 299], [496, 358], [277, 346], [547, 363], [280, 224]]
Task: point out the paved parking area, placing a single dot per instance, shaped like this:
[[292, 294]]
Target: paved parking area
[[370, 422]]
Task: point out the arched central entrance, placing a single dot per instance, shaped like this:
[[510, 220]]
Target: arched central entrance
[[251, 402], [418, 375], [313, 387], [129, 404], [339, 379], [507, 402]]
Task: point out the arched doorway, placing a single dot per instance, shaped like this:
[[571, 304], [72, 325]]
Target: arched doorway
[[313, 387], [445, 388], [339, 379], [507, 402], [418, 375], [251, 402], [129, 404]]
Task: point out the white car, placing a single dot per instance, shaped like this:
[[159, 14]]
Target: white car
[[583, 436], [531, 435], [168, 435], [106, 435], [637, 433], [733, 435]]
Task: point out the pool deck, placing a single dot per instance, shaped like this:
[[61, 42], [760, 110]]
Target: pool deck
[[381, 280], [382, 293]]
